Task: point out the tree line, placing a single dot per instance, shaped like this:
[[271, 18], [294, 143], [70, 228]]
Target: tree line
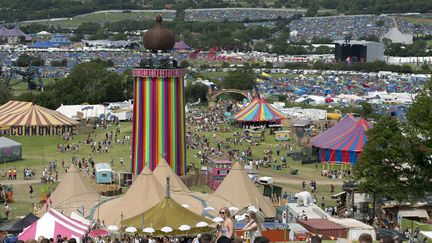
[[90, 82], [396, 161]]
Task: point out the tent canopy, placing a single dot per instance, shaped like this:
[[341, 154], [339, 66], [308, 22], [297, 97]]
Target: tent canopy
[[343, 142], [145, 192], [238, 189], [10, 150], [74, 192], [181, 45], [324, 227], [54, 223], [168, 213], [162, 171], [43, 45], [23, 223], [258, 111], [17, 113]]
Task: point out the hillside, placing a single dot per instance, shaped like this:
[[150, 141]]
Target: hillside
[[20, 10]]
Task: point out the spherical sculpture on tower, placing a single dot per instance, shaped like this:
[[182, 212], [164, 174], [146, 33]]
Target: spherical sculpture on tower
[[159, 112]]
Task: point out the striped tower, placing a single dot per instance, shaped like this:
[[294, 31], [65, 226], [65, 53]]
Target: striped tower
[[159, 119]]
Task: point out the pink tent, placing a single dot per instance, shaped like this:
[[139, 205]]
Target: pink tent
[[52, 224]]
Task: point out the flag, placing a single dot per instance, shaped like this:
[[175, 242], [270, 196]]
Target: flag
[[195, 53]]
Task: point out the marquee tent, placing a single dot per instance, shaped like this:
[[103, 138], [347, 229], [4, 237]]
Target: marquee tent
[[26, 119], [354, 228], [78, 112], [73, 193], [181, 45], [54, 223], [10, 150], [168, 213], [342, 143], [259, 111], [145, 192], [237, 181]]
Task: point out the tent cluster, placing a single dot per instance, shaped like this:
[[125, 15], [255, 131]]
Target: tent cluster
[[182, 208], [259, 111], [148, 204], [26, 119], [342, 143]]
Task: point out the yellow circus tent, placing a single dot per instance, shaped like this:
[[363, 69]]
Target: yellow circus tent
[[26, 119], [168, 213]]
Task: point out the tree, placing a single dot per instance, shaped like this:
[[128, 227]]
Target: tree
[[5, 93], [89, 82], [370, 37], [312, 9], [395, 162], [243, 79], [366, 109], [382, 169], [25, 60], [420, 129], [196, 91]]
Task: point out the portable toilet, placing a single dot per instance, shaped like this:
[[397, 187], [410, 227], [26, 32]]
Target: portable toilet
[[103, 173]]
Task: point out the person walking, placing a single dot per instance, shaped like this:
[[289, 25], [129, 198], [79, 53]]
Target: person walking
[[31, 191], [253, 226]]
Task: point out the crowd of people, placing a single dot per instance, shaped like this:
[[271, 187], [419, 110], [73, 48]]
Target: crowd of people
[[236, 14], [357, 26]]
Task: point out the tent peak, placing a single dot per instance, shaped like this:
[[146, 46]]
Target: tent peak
[[146, 171]]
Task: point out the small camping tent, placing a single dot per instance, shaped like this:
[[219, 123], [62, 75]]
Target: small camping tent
[[10, 150]]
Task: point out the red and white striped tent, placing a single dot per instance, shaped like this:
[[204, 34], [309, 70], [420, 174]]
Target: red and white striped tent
[[54, 223]]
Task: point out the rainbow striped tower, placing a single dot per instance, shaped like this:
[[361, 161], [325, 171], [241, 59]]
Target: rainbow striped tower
[[158, 119]]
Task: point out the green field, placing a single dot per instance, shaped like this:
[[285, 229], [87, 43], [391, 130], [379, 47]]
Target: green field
[[101, 18], [419, 20], [39, 151]]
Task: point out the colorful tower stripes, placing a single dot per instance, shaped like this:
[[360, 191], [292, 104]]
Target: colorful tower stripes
[[159, 119]]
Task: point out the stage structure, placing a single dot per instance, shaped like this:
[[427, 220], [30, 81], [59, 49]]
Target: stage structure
[[358, 51], [159, 105]]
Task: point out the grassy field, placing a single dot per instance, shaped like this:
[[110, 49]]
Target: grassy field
[[101, 18], [419, 20], [38, 151]]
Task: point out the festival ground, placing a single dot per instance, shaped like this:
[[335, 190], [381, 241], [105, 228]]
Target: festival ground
[[39, 151]]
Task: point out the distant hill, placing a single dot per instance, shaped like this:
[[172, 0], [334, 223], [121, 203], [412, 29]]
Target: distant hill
[[20, 10]]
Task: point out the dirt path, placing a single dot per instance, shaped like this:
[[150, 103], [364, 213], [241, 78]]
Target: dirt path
[[290, 179], [25, 182]]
